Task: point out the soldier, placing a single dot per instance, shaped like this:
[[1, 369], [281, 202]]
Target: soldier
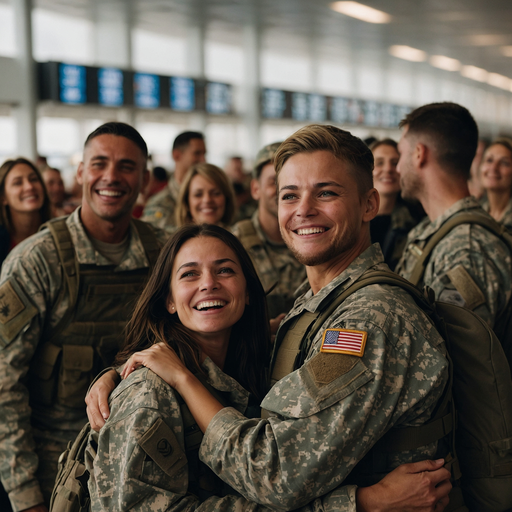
[[375, 363], [470, 266], [188, 149], [65, 296], [262, 239]]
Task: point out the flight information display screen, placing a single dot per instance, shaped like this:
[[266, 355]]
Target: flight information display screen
[[146, 90], [110, 87], [218, 98], [274, 104], [72, 84], [182, 94]]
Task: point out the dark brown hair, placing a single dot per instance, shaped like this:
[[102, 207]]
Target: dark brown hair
[[151, 323], [342, 144], [5, 214], [217, 176], [384, 142], [452, 131]]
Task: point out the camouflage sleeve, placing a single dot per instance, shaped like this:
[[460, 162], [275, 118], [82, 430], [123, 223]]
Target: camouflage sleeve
[[23, 298], [329, 413], [471, 268]]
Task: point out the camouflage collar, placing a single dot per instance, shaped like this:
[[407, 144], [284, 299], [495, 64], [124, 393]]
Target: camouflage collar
[[257, 226], [369, 258], [174, 187], [134, 257]]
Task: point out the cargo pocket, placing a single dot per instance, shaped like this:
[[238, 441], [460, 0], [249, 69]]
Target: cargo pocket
[[75, 375], [42, 382]]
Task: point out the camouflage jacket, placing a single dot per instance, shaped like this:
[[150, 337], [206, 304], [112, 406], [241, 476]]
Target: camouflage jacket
[[274, 263], [506, 219], [469, 249], [326, 415], [160, 208], [33, 279]]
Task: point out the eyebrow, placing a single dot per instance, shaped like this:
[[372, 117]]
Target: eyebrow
[[321, 184], [195, 264], [123, 160]]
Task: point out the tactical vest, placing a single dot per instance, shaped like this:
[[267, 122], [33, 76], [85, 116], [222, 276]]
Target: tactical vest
[[90, 333], [459, 276]]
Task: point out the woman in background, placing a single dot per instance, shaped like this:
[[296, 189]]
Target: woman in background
[[496, 176], [394, 220], [206, 197], [24, 203]]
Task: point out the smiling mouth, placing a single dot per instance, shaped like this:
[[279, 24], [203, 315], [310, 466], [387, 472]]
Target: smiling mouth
[[310, 231], [210, 304], [110, 193]]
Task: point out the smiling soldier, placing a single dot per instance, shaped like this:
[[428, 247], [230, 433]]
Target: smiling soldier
[[69, 291]]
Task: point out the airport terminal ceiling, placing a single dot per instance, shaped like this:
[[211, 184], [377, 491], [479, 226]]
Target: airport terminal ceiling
[[474, 32]]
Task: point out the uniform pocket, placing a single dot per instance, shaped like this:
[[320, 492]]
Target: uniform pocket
[[75, 375]]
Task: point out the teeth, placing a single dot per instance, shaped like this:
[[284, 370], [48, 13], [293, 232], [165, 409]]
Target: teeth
[[210, 304], [110, 193], [310, 231]]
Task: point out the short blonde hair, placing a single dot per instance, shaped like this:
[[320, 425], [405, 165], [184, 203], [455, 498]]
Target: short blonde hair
[[342, 144], [216, 176]]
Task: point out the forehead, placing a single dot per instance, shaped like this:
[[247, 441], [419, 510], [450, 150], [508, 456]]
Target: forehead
[[268, 171], [195, 145], [204, 250], [499, 149], [385, 150], [199, 181], [114, 147], [20, 170]]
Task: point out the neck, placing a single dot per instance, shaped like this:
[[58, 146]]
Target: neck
[[270, 225], [24, 225], [321, 275], [498, 202], [387, 203], [179, 174], [216, 348], [109, 232]]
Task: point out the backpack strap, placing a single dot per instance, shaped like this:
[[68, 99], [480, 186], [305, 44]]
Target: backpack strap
[[248, 234], [462, 218], [149, 241]]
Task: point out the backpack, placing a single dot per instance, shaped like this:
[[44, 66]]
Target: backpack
[[503, 324], [480, 385]]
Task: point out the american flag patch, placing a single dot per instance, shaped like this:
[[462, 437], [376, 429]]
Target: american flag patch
[[344, 341]]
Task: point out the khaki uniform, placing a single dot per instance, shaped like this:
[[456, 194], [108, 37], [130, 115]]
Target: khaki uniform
[[160, 208], [506, 219], [42, 384], [468, 250], [274, 263], [327, 414]]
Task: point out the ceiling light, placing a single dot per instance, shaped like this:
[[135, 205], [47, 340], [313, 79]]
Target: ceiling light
[[446, 63], [488, 39], [408, 53], [503, 82], [361, 12], [507, 51], [478, 74]]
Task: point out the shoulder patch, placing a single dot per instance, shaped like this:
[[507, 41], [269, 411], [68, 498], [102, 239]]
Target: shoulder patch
[[159, 214], [344, 341], [15, 311]]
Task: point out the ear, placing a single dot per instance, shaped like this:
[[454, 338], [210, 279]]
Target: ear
[[176, 155], [371, 203], [171, 307], [255, 189], [421, 155], [79, 174]]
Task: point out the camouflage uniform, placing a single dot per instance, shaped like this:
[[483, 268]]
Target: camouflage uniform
[[506, 219], [326, 415], [274, 263], [469, 248], [160, 208], [35, 299]]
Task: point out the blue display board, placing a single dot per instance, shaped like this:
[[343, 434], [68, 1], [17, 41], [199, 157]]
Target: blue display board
[[110, 87], [317, 107], [72, 84], [147, 90], [182, 94], [273, 104], [218, 98]]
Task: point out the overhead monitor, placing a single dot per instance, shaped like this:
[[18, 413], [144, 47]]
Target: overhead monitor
[[146, 90], [110, 87], [182, 94], [219, 98], [300, 106], [317, 104], [273, 104], [72, 84]]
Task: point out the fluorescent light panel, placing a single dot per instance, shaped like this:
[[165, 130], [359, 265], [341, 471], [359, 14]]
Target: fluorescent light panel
[[507, 51], [446, 63], [408, 53], [361, 12], [474, 73], [503, 82]]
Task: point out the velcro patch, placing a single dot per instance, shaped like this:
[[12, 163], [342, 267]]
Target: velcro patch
[[344, 341], [10, 304]]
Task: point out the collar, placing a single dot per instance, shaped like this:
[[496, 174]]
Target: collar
[[174, 187], [263, 236]]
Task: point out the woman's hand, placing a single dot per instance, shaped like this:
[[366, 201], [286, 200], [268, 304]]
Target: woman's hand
[[162, 360], [97, 399], [418, 487]]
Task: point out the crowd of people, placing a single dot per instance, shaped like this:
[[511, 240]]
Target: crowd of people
[[225, 374]]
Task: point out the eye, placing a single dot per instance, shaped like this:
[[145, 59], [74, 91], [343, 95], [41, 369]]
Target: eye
[[288, 197], [188, 273], [327, 193], [226, 270]]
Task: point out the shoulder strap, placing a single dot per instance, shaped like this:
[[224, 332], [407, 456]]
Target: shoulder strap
[[248, 235], [461, 218], [149, 241]]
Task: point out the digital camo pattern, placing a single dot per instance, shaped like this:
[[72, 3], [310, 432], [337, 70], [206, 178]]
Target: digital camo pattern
[[275, 263], [33, 271], [506, 218], [160, 208], [327, 414], [482, 254]]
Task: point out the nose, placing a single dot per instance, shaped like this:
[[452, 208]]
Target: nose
[[306, 206], [110, 174], [209, 281]]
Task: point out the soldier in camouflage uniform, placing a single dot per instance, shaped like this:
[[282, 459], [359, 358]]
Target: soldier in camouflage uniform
[[383, 369], [262, 239], [42, 335], [188, 149], [470, 266]]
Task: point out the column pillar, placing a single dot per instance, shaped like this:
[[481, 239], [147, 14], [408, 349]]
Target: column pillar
[[26, 111], [195, 55]]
